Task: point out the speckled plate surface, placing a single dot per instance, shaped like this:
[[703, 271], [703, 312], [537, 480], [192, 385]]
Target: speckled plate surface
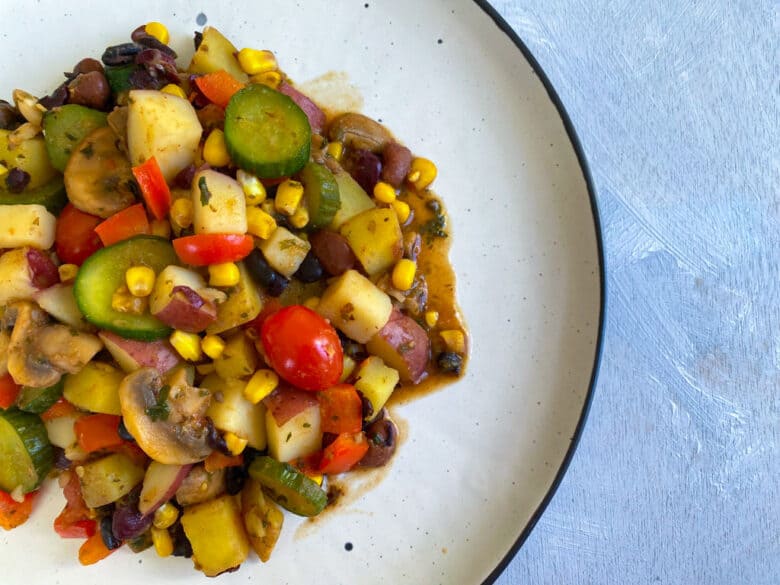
[[479, 459]]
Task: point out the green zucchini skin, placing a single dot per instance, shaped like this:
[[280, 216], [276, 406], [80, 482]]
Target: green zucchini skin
[[266, 133], [38, 400], [322, 195], [51, 195], [289, 487], [65, 127], [104, 272], [25, 450]]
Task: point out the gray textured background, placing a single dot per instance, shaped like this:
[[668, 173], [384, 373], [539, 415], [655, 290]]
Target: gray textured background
[[677, 106]]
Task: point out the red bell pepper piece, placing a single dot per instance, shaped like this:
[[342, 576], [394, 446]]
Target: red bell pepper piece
[[343, 453], [98, 431], [94, 550], [205, 249], [74, 520], [9, 390], [60, 408], [218, 87], [13, 513], [125, 224], [154, 189], [341, 409]]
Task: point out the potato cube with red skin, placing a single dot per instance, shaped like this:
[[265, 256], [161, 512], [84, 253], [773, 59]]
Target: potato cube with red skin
[[293, 423], [176, 300], [404, 345], [132, 355]]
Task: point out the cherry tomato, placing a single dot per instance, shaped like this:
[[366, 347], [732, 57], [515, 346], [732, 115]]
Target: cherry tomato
[[302, 347], [204, 249], [75, 238]]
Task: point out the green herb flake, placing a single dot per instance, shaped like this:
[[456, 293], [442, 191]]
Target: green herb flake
[[205, 194], [160, 411]]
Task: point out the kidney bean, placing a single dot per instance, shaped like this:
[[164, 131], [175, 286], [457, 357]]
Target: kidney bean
[[121, 54], [333, 251], [87, 65], [89, 89], [58, 97], [16, 180], [365, 167], [396, 162], [10, 118]]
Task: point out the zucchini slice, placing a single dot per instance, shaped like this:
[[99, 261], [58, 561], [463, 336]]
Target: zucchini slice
[[104, 272], [288, 487], [38, 400], [321, 192], [25, 451], [266, 133], [65, 127], [51, 195]]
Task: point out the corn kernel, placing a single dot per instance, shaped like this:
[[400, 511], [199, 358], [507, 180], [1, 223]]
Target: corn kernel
[[187, 344], [348, 366], [402, 210], [422, 173], [260, 385], [254, 190], [288, 197], [431, 318], [68, 272], [235, 444], [300, 218], [215, 150], [140, 280], [165, 516], [454, 340], [384, 192], [311, 303], [163, 543], [259, 223], [160, 228], [181, 212], [225, 274], [3, 170], [403, 274], [271, 79], [335, 149], [124, 302], [158, 31], [212, 346], [316, 478], [254, 61], [174, 89]]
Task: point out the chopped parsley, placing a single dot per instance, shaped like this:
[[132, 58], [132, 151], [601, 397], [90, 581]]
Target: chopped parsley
[[205, 194], [160, 411]]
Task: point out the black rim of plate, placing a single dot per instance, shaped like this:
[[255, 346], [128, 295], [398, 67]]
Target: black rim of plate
[[575, 142]]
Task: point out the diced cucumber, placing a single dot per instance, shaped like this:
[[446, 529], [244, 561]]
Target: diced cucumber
[[266, 133], [104, 272], [65, 127], [38, 400], [51, 195], [322, 195], [25, 451], [289, 487]]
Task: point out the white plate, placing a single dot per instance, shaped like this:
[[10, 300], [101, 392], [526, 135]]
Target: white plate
[[480, 458]]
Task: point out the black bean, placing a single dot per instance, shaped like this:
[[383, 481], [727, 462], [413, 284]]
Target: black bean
[[58, 97], [107, 533], [450, 362], [10, 118], [16, 180], [235, 478], [151, 42], [310, 269], [198, 39], [365, 167], [124, 433], [121, 54], [215, 440], [262, 273], [382, 436], [181, 545], [60, 460], [367, 406], [434, 205]]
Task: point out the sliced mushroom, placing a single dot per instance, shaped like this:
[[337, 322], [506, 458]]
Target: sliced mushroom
[[5, 339], [360, 132], [200, 486], [38, 354], [98, 177], [171, 425]]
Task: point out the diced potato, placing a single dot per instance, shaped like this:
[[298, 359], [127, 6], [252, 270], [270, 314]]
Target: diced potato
[[29, 156], [95, 388], [376, 381], [376, 239], [218, 204], [284, 251], [163, 126], [242, 305], [232, 412], [262, 519], [239, 358], [355, 305], [170, 277], [216, 532], [298, 436], [26, 225], [61, 431], [214, 53], [106, 480], [59, 302], [354, 199]]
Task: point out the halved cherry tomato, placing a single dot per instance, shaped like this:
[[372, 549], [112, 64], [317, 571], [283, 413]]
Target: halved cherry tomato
[[9, 390], [123, 225], [343, 453], [205, 249], [13, 513], [74, 520], [302, 347], [154, 189], [341, 409], [76, 239]]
